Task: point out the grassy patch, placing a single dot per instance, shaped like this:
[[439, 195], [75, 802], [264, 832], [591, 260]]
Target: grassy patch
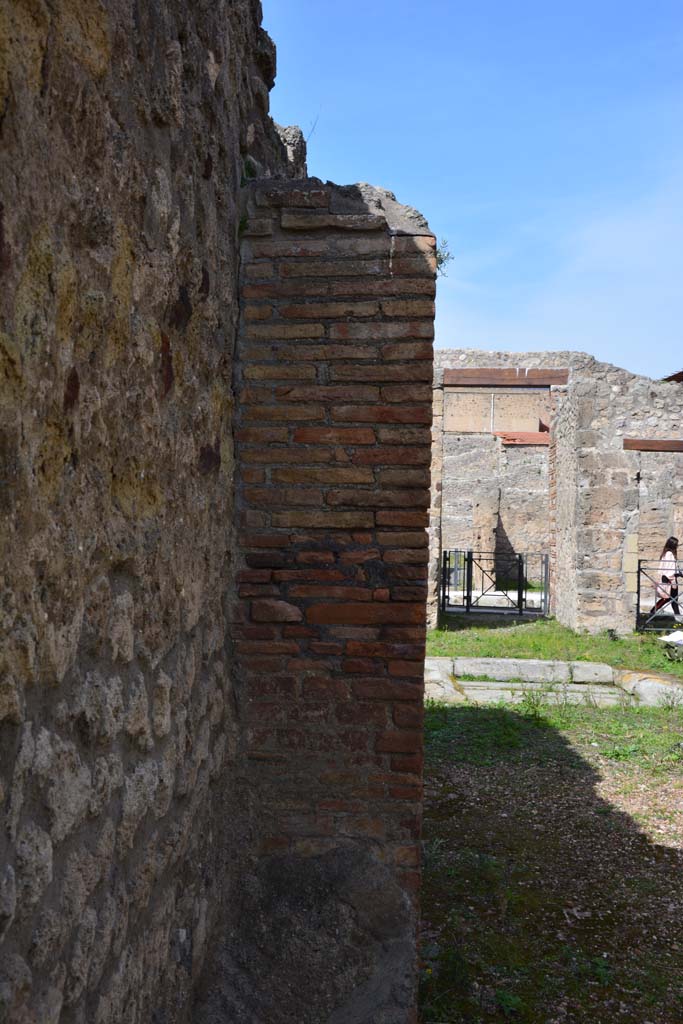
[[549, 640], [544, 901]]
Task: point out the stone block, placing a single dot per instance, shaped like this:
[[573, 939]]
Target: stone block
[[591, 672], [530, 670]]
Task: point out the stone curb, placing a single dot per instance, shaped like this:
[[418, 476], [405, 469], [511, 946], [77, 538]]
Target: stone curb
[[533, 670], [649, 688]]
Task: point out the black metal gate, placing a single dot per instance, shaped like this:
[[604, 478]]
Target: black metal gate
[[490, 582], [653, 591]]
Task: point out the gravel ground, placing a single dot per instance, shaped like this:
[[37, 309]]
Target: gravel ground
[[553, 889]]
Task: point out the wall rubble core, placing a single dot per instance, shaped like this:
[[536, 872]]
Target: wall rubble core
[[333, 389], [140, 831]]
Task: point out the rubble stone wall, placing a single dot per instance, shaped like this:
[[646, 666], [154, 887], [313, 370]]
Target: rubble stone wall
[[125, 131], [613, 505], [333, 389]]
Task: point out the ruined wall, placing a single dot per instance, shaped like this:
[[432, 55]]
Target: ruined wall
[[125, 130], [333, 384], [487, 494], [494, 492], [613, 505]]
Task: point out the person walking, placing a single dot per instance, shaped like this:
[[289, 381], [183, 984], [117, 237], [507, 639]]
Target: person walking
[[667, 589]]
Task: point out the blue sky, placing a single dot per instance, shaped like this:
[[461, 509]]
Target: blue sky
[[543, 140]]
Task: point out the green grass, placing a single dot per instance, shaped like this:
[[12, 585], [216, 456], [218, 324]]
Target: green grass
[[647, 737], [549, 640]]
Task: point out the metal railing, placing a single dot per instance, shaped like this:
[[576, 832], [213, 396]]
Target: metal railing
[[657, 607], [495, 582]]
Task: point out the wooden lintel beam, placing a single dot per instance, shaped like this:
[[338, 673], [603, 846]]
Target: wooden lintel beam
[[504, 377], [643, 444]]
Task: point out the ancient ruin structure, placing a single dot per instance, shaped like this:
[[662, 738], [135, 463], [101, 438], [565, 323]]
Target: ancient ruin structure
[[599, 481], [214, 474]]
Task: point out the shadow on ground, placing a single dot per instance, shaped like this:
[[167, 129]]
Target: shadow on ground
[[542, 903]]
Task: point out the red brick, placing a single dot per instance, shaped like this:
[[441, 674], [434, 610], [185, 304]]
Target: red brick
[[272, 497], [379, 649], [409, 634], [355, 713], [382, 414], [379, 373], [278, 250], [381, 594], [334, 268], [268, 647], [408, 393], [416, 593], [258, 590], [408, 308], [378, 331], [254, 576], [358, 557], [272, 456], [315, 557], [334, 435], [413, 794], [398, 742], [266, 540], [325, 353], [406, 556], [394, 455], [274, 686], [267, 559], [331, 593], [326, 475], [406, 668], [263, 435], [420, 436], [285, 289], [378, 688], [323, 519], [299, 631], [308, 575], [384, 286], [279, 372], [276, 611], [405, 352], [253, 476], [359, 666], [402, 518], [363, 614], [407, 572], [419, 266], [284, 413], [323, 310], [254, 312], [327, 393], [321, 688], [314, 220], [325, 647], [407, 763], [390, 498], [248, 631], [409, 717], [403, 540], [259, 271], [288, 332]]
